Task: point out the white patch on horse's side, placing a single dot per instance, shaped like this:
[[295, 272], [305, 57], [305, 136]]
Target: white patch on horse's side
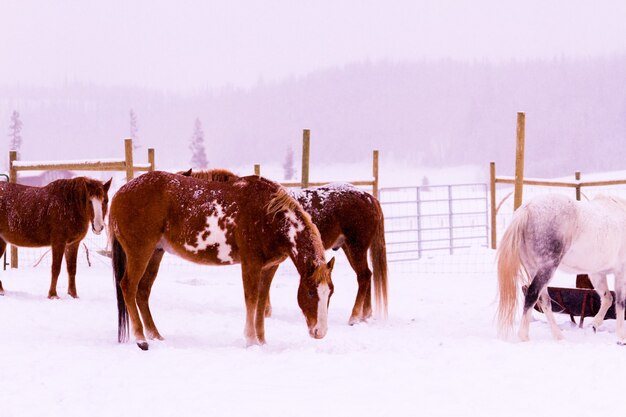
[[215, 236], [98, 221], [295, 227]]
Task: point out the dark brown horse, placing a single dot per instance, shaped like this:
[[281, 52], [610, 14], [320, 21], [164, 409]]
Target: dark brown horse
[[352, 220], [56, 215], [347, 218], [251, 221]]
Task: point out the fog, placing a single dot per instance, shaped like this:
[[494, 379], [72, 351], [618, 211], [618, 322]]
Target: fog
[[435, 83]]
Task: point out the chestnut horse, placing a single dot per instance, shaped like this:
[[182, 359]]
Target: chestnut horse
[[56, 215], [347, 218], [251, 221]]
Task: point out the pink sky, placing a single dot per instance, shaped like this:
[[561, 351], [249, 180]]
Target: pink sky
[[186, 45]]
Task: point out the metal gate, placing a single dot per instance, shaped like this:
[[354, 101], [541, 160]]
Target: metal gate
[[430, 220]]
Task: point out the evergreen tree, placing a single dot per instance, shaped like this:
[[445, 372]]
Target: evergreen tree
[[134, 130], [288, 168], [198, 154], [15, 132]]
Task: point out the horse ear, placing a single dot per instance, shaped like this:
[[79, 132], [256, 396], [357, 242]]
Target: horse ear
[[186, 173], [107, 185], [331, 263]]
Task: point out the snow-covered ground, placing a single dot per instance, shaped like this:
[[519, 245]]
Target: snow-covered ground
[[436, 354]]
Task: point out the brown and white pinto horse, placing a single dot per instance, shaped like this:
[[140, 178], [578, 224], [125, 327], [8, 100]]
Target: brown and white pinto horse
[[56, 215], [251, 221], [347, 218]]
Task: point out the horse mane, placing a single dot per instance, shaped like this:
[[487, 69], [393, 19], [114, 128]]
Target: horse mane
[[72, 191], [215, 174], [281, 200]]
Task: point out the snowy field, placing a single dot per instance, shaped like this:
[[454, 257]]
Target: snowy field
[[436, 355]]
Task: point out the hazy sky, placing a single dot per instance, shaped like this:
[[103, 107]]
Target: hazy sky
[[187, 44]]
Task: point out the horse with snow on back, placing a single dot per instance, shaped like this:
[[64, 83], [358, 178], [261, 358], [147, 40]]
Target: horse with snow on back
[[347, 218], [251, 221], [554, 231], [57, 215]]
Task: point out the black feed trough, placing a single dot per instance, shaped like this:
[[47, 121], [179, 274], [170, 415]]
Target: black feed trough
[[582, 302]]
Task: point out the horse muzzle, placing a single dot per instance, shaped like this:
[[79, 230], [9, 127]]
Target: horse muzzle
[[97, 230], [318, 332]]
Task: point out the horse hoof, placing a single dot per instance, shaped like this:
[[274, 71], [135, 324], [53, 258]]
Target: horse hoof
[[357, 320], [143, 345], [53, 297]]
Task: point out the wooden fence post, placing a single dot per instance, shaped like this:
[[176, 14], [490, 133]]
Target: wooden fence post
[[13, 179], [519, 160], [375, 173], [257, 169], [577, 176], [128, 158], [492, 191], [151, 159], [306, 148], [12, 170]]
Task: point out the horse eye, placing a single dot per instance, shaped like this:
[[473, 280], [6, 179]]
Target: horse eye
[[312, 293]]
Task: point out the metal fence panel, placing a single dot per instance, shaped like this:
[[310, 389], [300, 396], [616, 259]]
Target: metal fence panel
[[429, 220]]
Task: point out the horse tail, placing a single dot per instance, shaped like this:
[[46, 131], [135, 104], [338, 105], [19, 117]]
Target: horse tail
[[119, 269], [510, 270], [378, 257]]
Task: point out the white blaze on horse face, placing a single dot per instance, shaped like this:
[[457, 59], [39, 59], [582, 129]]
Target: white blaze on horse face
[[98, 221], [295, 227], [215, 236], [321, 327]]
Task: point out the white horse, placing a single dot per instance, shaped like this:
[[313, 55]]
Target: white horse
[[554, 231]]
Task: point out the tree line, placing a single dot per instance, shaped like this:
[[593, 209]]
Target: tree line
[[433, 113]]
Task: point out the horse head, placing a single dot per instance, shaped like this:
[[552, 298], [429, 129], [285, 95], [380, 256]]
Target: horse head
[[97, 195], [314, 295]]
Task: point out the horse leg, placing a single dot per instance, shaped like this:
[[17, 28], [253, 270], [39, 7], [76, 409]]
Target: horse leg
[[57, 258], [269, 275], [546, 306], [620, 305], [135, 268], [357, 256], [71, 254], [251, 278], [143, 294], [600, 285], [268, 305], [3, 246], [263, 302], [536, 287]]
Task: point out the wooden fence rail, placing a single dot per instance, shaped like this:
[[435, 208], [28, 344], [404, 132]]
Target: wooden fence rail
[[125, 164], [577, 185]]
